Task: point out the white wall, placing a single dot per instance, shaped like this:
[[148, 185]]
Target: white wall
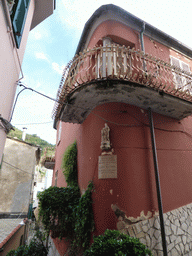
[[10, 61]]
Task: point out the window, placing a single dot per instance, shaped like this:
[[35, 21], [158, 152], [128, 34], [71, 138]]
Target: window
[[59, 132], [56, 177], [21, 240], [181, 80], [1, 161], [18, 17], [112, 60]]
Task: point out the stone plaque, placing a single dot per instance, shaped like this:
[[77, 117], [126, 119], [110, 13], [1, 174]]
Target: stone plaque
[[107, 167]]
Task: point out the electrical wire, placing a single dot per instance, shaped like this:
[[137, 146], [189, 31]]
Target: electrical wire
[[16, 167], [36, 123], [108, 121], [126, 125]]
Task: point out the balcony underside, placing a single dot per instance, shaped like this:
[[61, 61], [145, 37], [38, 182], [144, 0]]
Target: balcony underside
[[84, 99]]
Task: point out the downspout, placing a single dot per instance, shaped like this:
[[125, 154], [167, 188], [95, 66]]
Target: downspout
[[163, 237], [142, 43]]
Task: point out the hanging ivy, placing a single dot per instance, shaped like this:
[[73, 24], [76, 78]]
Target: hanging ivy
[[64, 212], [56, 207], [69, 165], [84, 217]]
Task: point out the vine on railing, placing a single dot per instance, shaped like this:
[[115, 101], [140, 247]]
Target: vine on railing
[[121, 63]]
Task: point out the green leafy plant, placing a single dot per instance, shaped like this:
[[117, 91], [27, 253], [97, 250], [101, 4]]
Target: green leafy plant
[[84, 224], [69, 165], [56, 209], [35, 248], [114, 243], [64, 212]]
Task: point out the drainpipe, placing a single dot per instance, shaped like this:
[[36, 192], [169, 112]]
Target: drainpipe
[[163, 237], [142, 43]]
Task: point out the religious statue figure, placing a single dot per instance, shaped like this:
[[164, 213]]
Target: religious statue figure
[[105, 141]]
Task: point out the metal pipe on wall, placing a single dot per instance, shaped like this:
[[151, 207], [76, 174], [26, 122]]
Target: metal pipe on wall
[[163, 236], [142, 43]]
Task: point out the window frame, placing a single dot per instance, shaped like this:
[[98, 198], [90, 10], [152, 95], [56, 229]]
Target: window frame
[[177, 77], [18, 19], [59, 132]]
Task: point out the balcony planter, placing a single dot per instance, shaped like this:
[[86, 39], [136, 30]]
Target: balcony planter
[[10, 4], [48, 159]]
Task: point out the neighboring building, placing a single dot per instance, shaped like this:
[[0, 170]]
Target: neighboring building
[[41, 182], [16, 185], [124, 67], [44, 173], [15, 24], [13, 233], [16, 176]]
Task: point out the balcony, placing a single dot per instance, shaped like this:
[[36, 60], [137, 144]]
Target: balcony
[[120, 74]]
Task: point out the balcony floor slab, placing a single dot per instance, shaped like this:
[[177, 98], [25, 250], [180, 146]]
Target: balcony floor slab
[[85, 98]]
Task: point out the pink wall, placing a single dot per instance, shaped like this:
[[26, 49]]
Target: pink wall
[[134, 190], [115, 29]]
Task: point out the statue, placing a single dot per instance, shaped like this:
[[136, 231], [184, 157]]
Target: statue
[[105, 141]]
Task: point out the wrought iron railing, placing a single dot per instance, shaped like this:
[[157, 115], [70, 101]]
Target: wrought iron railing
[[121, 63]]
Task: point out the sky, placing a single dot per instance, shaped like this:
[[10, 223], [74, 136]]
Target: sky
[[52, 44]]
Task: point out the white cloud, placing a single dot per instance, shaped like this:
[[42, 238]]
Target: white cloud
[[39, 32], [56, 67], [37, 35], [41, 55]]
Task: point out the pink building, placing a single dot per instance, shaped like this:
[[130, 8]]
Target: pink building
[[136, 79], [16, 20]]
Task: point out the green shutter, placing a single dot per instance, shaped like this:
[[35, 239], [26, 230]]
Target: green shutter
[[1, 161], [19, 18]]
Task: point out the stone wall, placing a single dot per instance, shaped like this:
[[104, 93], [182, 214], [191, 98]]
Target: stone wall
[[178, 229]]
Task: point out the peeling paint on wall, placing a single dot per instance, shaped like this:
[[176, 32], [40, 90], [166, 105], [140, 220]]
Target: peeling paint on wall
[[129, 220]]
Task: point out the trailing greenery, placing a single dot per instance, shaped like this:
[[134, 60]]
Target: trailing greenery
[[84, 224], [35, 248], [64, 212], [67, 214], [56, 209], [114, 243], [69, 165]]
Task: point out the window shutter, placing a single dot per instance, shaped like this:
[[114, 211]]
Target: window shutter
[[178, 79], [19, 18], [186, 82], [175, 62], [1, 161], [185, 67], [59, 132]]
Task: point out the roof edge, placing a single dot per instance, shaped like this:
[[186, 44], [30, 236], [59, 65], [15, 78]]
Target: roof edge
[[150, 30]]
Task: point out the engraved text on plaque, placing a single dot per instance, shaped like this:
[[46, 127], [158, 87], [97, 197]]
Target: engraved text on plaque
[[107, 167]]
